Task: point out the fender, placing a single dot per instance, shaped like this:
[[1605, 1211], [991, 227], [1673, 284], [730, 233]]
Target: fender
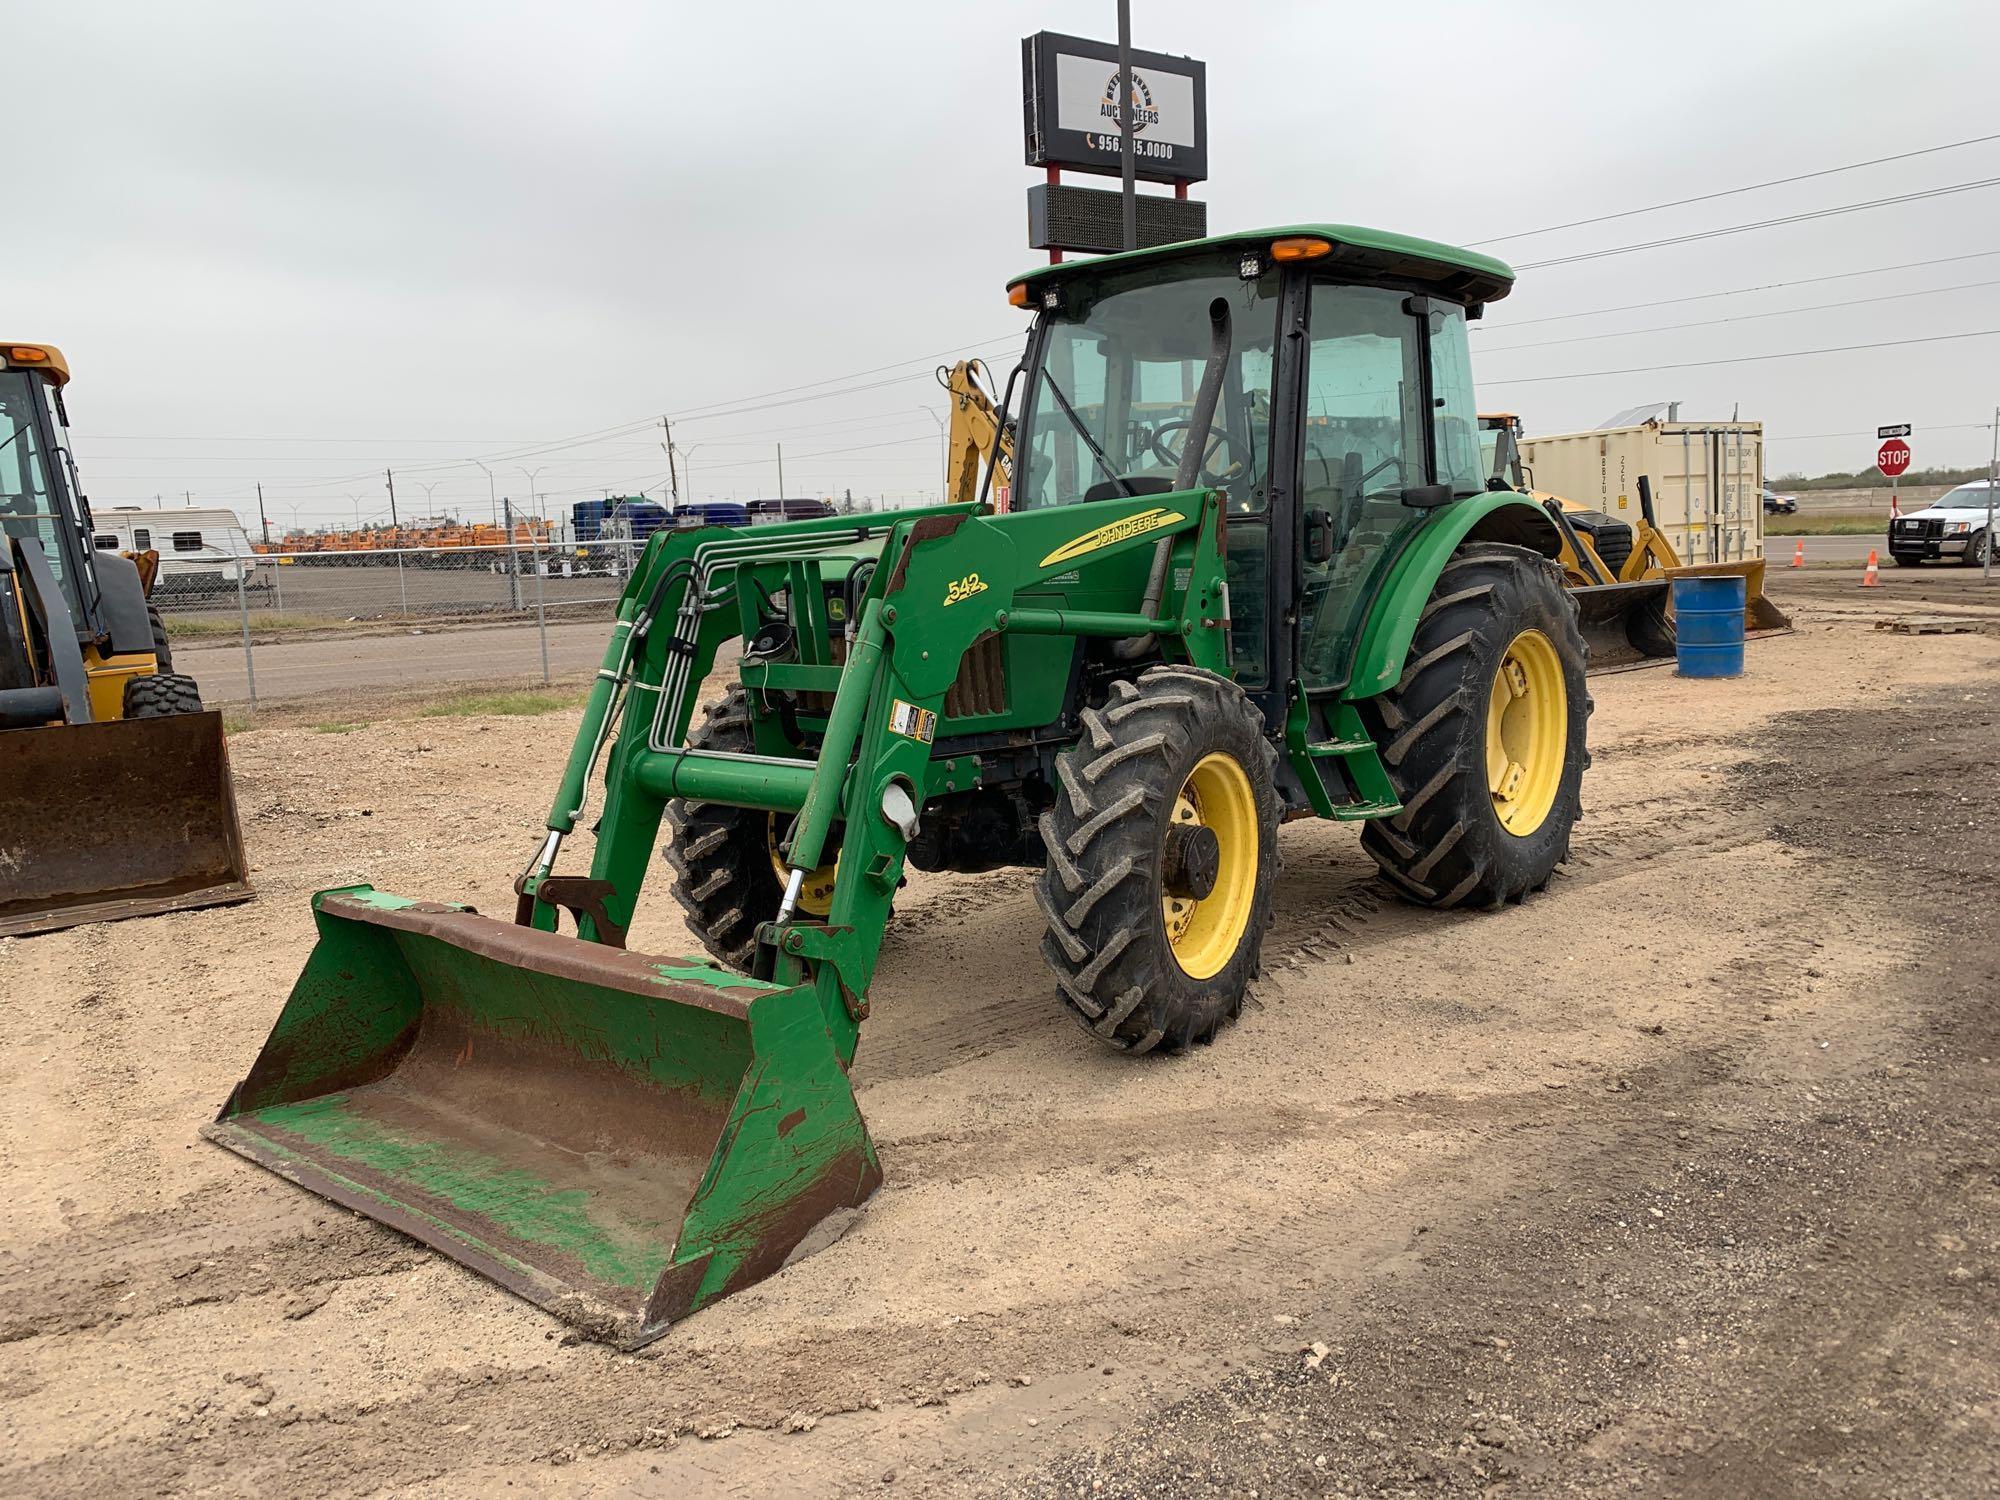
[[1499, 516]]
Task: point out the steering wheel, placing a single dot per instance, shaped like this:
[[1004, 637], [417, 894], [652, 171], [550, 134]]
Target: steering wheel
[[1391, 462], [1218, 438]]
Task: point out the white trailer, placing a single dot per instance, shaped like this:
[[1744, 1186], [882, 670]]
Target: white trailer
[[1707, 480], [200, 548]]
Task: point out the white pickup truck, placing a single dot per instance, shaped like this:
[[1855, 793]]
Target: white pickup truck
[[1954, 525]]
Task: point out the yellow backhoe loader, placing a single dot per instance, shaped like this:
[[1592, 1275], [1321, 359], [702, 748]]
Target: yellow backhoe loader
[[1620, 574], [115, 797]]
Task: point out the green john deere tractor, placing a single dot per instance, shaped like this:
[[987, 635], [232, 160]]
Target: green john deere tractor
[[1250, 570]]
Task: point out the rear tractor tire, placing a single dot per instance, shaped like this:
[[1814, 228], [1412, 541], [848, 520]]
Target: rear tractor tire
[[160, 696], [1651, 629], [1484, 735], [1162, 845], [728, 876]]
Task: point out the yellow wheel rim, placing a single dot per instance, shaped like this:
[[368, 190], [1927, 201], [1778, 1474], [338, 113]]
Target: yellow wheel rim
[[816, 895], [1527, 733], [1204, 934]]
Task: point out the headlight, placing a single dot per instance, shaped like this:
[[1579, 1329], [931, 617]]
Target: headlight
[[1955, 528]]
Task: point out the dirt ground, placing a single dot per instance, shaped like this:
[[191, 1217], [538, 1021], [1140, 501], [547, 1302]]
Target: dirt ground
[[1682, 1179]]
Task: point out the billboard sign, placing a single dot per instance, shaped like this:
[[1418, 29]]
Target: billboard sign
[[1069, 91]]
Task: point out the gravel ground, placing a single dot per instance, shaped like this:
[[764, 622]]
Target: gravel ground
[[1677, 1180]]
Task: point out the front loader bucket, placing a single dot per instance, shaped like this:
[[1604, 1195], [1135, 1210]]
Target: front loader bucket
[[1759, 613], [116, 819], [617, 1138]]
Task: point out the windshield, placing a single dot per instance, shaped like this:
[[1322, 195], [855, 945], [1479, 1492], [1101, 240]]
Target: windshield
[[1965, 497], [1111, 400], [30, 508]]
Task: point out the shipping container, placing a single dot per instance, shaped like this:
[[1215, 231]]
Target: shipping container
[[1707, 480]]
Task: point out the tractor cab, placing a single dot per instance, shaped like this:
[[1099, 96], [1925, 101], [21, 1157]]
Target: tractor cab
[[1343, 416], [40, 501]]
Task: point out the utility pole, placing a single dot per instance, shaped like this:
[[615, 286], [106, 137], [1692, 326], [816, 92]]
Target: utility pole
[[1130, 164], [781, 471], [944, 453], [262, 520], [673, 477]]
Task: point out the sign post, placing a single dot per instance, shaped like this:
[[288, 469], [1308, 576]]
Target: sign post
[[1992, 490], [1891, 438], [1127, 131]]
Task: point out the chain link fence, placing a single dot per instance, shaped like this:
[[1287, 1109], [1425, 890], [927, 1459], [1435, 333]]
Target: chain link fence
[[303, 623]]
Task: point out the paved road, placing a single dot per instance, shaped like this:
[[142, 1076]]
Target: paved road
[[1820, 549], [324, 668]]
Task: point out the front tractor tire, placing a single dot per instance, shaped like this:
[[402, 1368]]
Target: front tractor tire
[[728, 876], [161, 695], [1161, 847], [1483, 735]]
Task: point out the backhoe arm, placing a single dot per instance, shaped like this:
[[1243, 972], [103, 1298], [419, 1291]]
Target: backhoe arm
[[976, 438]]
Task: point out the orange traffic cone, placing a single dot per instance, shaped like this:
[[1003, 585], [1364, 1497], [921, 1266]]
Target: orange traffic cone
[[1799, 555], [1871, 579]]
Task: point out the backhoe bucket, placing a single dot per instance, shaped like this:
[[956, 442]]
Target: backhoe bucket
[[116, 819], [1613, 618], [618, 1138]]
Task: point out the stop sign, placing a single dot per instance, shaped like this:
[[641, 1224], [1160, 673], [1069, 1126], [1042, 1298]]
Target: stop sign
[[1893, 457]]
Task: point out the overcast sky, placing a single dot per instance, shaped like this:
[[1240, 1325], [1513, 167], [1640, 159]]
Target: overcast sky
[[302, 244]]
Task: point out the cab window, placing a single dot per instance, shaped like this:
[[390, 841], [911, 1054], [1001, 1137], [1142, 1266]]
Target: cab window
[[1114, 391], [1362, 446], [1454, 418]]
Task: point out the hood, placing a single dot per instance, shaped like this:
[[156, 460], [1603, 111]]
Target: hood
[[1954, 504]]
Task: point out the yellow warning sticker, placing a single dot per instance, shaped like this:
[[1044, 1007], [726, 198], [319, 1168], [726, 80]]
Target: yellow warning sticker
[[911, 722]]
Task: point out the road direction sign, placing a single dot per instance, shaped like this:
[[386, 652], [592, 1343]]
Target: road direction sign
[[1893, 457], [1899, 429]]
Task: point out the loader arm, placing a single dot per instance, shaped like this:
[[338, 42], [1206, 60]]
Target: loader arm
[[948, 577]]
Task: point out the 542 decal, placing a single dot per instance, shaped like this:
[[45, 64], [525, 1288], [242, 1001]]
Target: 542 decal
[[961, 589]]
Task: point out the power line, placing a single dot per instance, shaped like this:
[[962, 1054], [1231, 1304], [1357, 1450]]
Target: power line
[[1768, 286], [1629, 213], [1783, 312], [1744, 359], [689, 413], [1798, 218], [650, 450]]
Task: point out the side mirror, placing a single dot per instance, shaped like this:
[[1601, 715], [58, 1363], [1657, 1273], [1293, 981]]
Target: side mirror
[[1319, 537], [1427, 496]]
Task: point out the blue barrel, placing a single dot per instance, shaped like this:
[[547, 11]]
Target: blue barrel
[[1708, 626]]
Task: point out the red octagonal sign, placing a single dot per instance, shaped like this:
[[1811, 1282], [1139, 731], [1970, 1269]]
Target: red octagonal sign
[[1893, 457]]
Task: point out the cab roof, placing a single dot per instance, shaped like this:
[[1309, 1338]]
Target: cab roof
[[1462, 275], [35, 357]]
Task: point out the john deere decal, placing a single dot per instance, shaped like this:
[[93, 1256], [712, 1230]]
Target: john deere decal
[[1118, 531]]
